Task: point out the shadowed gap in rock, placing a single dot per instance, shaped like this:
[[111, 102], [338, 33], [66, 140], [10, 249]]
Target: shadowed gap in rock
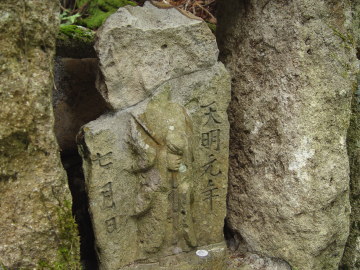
[[72, 163], [77, 102]]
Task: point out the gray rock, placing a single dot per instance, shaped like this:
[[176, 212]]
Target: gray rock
[[152, 46], [156, 171], [293, 72], [35, 201]]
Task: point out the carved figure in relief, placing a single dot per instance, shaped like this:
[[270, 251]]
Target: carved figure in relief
[[161, 141]]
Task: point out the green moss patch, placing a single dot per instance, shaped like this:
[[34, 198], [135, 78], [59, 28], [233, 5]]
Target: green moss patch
[[212, 27], [76, 33], [68, 256], [75, 41], [96, 11]]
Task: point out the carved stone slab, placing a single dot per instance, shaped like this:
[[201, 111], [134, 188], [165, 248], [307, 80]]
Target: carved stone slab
[[156, 172]]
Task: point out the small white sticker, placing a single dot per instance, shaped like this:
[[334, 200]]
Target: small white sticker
[[182, 168], [202, 253], [171, 127]]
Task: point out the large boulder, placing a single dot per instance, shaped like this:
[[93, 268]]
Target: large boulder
[[37, 229], [292, 66]]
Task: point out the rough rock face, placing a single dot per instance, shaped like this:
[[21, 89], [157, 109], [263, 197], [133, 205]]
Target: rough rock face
[[183, 47], [249, 261], [156, 170], [35, 203], [292, 65]]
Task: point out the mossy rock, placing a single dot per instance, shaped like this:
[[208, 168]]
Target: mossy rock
[[68, 256], [212, 27], [97, 11], [75, 42]]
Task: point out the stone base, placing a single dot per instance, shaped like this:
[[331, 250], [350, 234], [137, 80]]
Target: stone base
[[219, 258], [216, 260]]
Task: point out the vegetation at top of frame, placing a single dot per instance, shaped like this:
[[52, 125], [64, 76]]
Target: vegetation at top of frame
[[77, 33], [91, 13]]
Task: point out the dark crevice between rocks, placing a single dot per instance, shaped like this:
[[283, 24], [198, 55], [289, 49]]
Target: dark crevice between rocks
[[234, 240], [77, 102], [229, 236], [72, 163]]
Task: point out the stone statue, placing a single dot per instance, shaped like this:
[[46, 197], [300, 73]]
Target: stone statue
[[156, 164], [161, 139]]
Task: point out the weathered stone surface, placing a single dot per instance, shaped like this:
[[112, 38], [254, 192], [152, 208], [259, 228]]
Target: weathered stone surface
[[156, 172], [141, 59], [292, 65], [250, 261], [75, 99], [217, 259], [36, 224]]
